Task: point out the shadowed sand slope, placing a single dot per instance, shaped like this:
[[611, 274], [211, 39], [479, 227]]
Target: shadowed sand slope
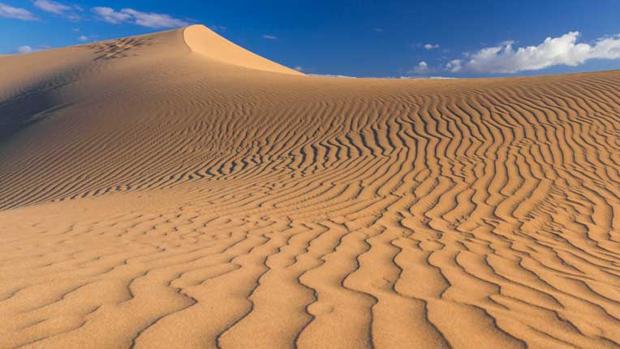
[[176, 191]]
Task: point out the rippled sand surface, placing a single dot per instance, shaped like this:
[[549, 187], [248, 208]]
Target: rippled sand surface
[[177, 191]]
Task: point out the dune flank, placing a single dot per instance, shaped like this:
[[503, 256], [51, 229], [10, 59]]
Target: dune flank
[[174, 190]]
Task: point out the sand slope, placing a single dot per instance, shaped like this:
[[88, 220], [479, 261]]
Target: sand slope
[[155, 193]]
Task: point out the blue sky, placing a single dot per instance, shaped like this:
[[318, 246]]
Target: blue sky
[[389, 38]]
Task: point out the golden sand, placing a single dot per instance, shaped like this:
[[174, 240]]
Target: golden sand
[[177, 191]]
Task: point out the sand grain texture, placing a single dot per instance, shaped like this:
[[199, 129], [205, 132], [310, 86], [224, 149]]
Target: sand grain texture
[[176, 191]]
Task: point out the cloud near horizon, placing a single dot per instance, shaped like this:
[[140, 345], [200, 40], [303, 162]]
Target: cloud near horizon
[[7, 11], [563, 50], [24, 49], [421, 68], [144, 19]]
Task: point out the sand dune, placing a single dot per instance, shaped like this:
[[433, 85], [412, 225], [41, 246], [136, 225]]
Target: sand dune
[[176, 191]]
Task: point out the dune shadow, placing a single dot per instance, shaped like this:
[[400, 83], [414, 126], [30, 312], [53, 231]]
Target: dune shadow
[[27, 108]]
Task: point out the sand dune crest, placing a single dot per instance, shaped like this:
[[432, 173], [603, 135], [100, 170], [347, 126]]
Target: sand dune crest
[[206, 42]]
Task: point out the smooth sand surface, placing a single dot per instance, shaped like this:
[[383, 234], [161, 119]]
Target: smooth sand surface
[[176, 191]]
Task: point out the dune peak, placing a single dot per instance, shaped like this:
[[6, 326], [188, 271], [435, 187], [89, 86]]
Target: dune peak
[[208, 43]]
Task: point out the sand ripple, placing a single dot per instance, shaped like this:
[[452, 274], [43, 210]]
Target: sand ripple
[[163, 199]]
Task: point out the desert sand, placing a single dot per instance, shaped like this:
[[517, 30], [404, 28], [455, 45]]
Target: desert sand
[[177, 191]]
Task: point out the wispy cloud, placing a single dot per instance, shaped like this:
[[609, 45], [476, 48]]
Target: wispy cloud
[[52, 6], [155, 20], [439, 77], [57, 8], [562, 50], [270, 37], [217, 28], [430, 46], [332, 76], [24, 49], [109, 15], [144, 19], [7, 11]]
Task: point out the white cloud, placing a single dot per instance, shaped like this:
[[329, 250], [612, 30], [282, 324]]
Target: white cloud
[[332, 76], [431, 46], [145, 19], [299, 68], [109, 15], [427, 78], [83, 38], [454, 65], [52, 6], [58, 8], [24, 49], [269, 37], [16, 12], [154, 20], [421, 68], [562, 50]]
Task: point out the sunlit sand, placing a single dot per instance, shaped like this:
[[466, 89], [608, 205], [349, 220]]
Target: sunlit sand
[[177, 191]]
